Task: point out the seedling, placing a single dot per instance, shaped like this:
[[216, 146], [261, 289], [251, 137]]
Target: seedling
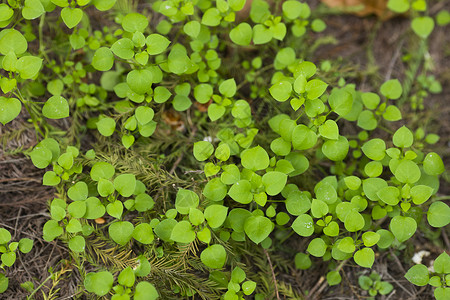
[[374, 285], [439, 278]]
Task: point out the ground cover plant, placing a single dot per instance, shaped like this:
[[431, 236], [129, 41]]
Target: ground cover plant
[[195, 149]]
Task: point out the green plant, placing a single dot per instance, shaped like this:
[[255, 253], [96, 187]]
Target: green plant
[[421, 25], [8, 250], [374, 285], [273, 156], [439, 277]]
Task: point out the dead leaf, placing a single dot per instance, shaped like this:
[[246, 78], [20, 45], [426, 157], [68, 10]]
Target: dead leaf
[[362, 7]]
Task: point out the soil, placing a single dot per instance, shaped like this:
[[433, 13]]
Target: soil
[[23, 200]]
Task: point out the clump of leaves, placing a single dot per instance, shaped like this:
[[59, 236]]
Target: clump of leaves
[[374, 285], [246, 189], [8, 250], [439, 277]]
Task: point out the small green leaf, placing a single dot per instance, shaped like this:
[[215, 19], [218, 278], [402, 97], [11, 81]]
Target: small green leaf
[[99, 283], [418, 275], [442, 263], [56, 108], [403, 227], [248, 287], [438, 214], [185, 200], [203, 93], [214, 256], [8, 258], [94, 208], [123, 48], [145, 291], [156, 44], [366, 120], [341, 102], [274, 182], [315, 88], [106, 126], [25, 245], [115, 209], [52, 230], [258, 228], [103, 59], [329, 130], [421, 193], [392, 113], [241, 34], [255, 158], [228, 88], [77, 244], [403, 137], [71, 16], [303, 137], [50, 178], [121, 232], [389, 195], [281, 91], [215, 190], [134, 22], [203, 150], [261, 34], [140, 81], [317, 247], [5, 236], [216, 215], [370, 238], [398, 6], [422, 26], [28, 66], [303, 225], [333, 278], [183, 233], [9, 109], [433, 164], [78, 192], [102, 170], [12, 40], [192, 28], [374, 149], [336, 150], [391, 89], [370, 100], [364, 257], [211, 17], [125, 184]]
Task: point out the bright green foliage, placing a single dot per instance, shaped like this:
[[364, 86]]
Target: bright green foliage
[[9, 109], [56, 107], [422, 26], [121, 232], [103, 59], [348, 190], [71, 16], [214, 256], [391, 89], [418, 275], [241, 34], [186, 200], [438, 214], [156, 44], [99, 283], [258, 228], [255, 158], [203, 150], [403, 227], [374, 285]]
